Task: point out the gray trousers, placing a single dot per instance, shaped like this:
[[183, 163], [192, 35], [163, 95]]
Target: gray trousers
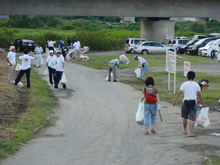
[[11, 72], [111, 68]]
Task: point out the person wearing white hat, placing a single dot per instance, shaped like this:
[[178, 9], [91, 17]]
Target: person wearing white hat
[[51, 66], [38, 54], [11, 59], [112, 66], [59, 69]]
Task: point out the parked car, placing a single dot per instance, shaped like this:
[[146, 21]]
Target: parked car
[[151, 47], [130, 43], [198, 37], [206, 51], [193, 49], [206, 47], [182, 49], [23, 43], [177, 42]]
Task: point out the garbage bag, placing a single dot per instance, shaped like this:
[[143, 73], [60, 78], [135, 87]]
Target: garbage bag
[[203, 119], [140, 113], [63, 79], [138, 72], [18, 67]]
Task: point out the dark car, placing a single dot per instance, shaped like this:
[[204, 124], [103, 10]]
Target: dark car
[[193, 49], [23, 43], [182, 49]]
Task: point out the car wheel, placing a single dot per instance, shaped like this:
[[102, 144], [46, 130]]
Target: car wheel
[[144, 52], [132, 51]]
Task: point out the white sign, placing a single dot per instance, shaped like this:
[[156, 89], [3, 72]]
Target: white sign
[[169, 36], [186, 67], [171, 61]]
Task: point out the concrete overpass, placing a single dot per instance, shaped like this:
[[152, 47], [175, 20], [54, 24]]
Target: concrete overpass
[[153, 28]]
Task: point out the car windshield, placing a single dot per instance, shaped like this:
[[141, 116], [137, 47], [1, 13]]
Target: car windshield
[[216, 41], [200, 41], [190, 42], [209, 43], [26, 40]]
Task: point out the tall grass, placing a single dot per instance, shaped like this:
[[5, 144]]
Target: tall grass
[[103, 40]]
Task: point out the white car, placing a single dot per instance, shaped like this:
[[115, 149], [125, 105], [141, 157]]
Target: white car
[[206, 51], [206, 47], [151, 47]]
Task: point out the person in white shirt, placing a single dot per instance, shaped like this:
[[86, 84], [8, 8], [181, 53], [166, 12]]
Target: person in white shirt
[[143, 65], [50, 44], [59, 69], [11, 59], [191, 89], [25, 67], [51, 66], [77, 50], [214, 49], [38, 54]]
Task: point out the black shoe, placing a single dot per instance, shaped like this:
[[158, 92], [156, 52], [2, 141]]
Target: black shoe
[[115, 81], [109, 80]]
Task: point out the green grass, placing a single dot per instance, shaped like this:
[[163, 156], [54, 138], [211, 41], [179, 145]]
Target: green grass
[[41, 105], [210, 98]]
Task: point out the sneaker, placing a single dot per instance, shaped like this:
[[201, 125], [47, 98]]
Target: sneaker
[[109, 80], [115, 81], [153, 131], [146, 133]]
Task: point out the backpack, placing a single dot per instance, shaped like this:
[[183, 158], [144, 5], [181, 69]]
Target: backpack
[[150, 98]]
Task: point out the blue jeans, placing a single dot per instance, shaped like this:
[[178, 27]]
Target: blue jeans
[[144, 70], [150, 112]]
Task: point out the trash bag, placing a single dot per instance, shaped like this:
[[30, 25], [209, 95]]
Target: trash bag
[[140, 113], [46, 72], [124, 59], [63, 79], [138, 72], [203, 119], [20, 84], [107, 76], [18, 67]]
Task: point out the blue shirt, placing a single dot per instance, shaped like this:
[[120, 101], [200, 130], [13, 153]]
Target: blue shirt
[[115, 62]]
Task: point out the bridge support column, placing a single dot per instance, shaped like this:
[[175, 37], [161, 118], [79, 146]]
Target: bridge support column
[[156, 30]]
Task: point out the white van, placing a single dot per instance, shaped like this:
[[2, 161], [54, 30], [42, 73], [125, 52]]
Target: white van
[[131, 42]]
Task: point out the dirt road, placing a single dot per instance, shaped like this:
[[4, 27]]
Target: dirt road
[[95, 124]]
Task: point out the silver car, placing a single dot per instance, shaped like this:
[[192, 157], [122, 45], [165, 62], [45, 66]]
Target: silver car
[[151, 47]]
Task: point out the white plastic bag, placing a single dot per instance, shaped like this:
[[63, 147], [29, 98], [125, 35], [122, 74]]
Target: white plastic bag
[[63, 79], [203, 119], [18, 67], [124, 59], [107, 76], [138, 72], [140, 113], [46, 72]]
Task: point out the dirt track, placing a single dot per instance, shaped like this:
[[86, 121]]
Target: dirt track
[[95, 124]]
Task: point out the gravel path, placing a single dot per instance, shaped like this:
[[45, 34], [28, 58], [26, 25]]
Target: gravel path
[[94, 123]]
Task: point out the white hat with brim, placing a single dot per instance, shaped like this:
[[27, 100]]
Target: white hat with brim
[[51, 51], [12, 47]]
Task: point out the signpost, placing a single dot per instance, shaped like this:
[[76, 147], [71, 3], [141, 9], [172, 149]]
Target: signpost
[[171, 67], [186, 67]]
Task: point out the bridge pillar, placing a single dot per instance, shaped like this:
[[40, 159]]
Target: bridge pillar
[[156, 30]]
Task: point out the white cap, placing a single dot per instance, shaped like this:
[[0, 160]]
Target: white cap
[[51, 51], [12, 47]]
